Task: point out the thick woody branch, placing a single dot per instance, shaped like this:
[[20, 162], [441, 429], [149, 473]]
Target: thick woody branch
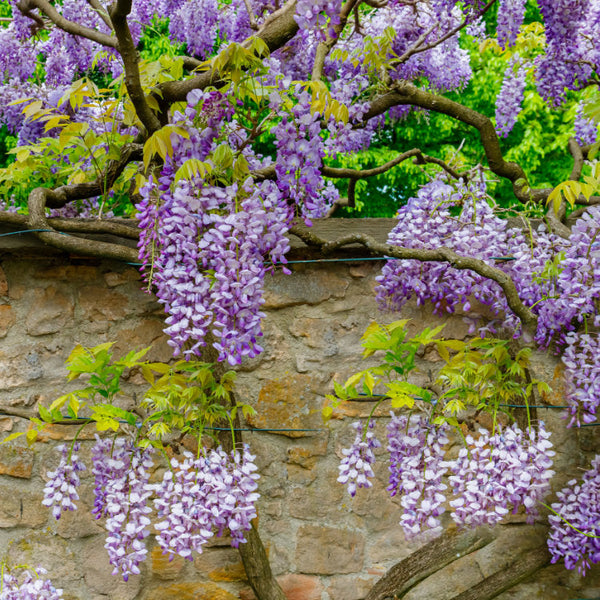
[[76, 245], [325, 47], [527, 317], [118, 15], [64, 194], [73, 28], [101, 10], [406, 93], [278, 29], [501, 581], [426, 561]]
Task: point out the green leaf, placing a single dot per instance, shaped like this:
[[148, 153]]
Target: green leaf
[[12, 436]]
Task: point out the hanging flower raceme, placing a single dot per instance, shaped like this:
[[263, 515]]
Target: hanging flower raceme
[[28, 585], [575, 522], [60, 492], [355, 468]]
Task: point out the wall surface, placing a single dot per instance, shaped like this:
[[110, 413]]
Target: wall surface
[[323, 545]]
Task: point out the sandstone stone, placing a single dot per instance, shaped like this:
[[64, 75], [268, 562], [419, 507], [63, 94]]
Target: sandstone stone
[[69, 273], [16, 460], [21, 508], [349, 587], [51, 310], [300, 475], [42, 548], [78, 523], [7, 319], [220, 564], [3, 283], [6, 424], [317, 499], [66, 432], [303, 287], [149, 332], [190, 591], [113, 279], [317, 333], [97, 572], [100, 304], [288, 403], [166, 566], [328, 551], [294, 586]]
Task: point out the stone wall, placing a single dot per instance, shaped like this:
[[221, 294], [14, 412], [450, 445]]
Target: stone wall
[[323, 545]]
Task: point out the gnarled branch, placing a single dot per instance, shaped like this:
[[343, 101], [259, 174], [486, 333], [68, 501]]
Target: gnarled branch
[[526, 316], [73, 28], [119, 12], [428, 560]]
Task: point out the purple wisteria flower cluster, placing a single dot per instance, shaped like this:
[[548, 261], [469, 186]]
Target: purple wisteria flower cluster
[[126, 495], [318, 14], [510, 98], [60, 492], [492, 475], [355, 468], [28, 585], [496, 472], [575, 524], [203, 495], [198, 497], [416, 470]]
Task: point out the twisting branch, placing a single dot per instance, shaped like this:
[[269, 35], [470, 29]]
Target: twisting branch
[[325, 47], [37, 220], [426, 561], [101, 10], [527, 317], [418, 47], [407, 93], [73, 28], [64, 194], [118, 15], [252, 20]]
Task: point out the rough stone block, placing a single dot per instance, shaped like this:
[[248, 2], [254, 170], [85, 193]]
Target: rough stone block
[[16, 461], [190, 591], [328, 551], [166, 566], [100, 304], [21, 508], [288, 403], [50, 311], [98, 576], [3, 283], [349, 587], [220, 564], [7, 319], [294, 586], [304, 287]]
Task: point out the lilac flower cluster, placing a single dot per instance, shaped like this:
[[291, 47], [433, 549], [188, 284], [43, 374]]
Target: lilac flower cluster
[[562, 67], [207, 244], [355, 468], [586, 129], [495, 472], [510, 19], [60, 492], [28, 585], [124, 501], [195, 23], [317, 14], [299, 158], [416, 470], [200, 495], [510, 98], [580, 357], [575, 526], [491, 475]]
